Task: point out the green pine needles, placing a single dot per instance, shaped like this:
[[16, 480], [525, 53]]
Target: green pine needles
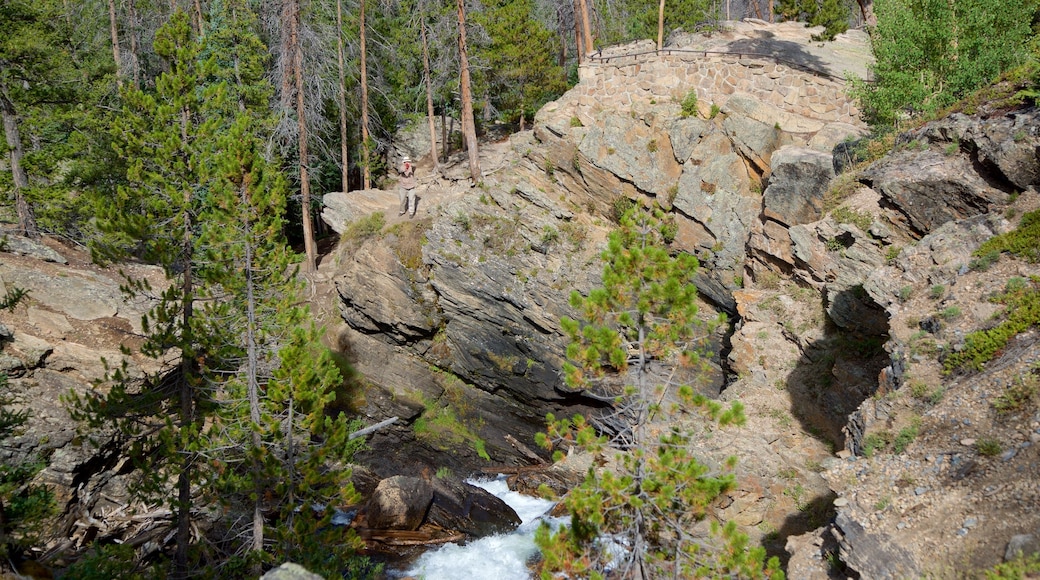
[[241, 418], [634, 517]]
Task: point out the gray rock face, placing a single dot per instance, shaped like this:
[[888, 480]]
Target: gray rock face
[[872, 554], [799, 180], [398, 503], [30, 248], [633, 149], [1007, 145], [932, 188]]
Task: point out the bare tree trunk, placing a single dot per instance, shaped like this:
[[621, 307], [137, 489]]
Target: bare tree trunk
[[197, 18], [252, 377], [310, 250], [578, 43], [866, 7], [429, 99], [586, 25], [115, 42], [26, 217], [468, 127], [365, 153], [660, 25], [758, 9], [771, 10], [344, 158], [135, 62]]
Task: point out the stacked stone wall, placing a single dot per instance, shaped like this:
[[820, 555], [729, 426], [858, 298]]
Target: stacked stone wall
[[627, 80]]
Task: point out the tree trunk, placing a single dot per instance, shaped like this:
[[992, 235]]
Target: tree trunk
[[365, 153], [26, 217], [429, 100], [586, 25], [344, 158], [135, 61], [115, 42], [189, 375], [579, 44], [758, 9], [866, 7], [468, 126], [253, 380], [310, 250], [771, 11], [197, 18], [660, 25]]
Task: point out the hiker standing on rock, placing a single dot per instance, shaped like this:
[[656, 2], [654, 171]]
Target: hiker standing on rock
[[407, 185]]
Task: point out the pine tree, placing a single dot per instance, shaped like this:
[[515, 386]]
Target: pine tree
[[635, 519], [164, 138]]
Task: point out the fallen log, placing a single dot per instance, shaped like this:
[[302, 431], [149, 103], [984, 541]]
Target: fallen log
[[372, 428]]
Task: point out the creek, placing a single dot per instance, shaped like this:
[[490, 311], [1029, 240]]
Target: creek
[[498, 557]]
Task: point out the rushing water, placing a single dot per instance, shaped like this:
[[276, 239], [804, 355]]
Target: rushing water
[[498, 557]]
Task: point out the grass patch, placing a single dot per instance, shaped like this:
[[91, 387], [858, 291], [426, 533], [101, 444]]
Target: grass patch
[[1018, 396], [988, 446], [1023, 241], [410, 239], [366, 227], [906, 436], [1022, 311], [860, 219]]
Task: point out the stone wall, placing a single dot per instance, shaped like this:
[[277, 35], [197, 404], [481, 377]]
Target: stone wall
[[622, 81]]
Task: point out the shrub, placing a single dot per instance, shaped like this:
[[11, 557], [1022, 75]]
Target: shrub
[[988, 446], [1018, 395], [689, 104], [1022, 312], [365, 227]]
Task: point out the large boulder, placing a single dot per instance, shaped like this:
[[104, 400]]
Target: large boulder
[[290, 571], [1007, 146], [931, 187], [467, 508], [797, 185], [399, 503]]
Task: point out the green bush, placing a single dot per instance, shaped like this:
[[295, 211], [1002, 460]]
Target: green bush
[[689, 104], [988, 446], [1021, 313]]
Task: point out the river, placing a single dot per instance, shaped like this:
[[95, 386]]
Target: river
[[498, 557]]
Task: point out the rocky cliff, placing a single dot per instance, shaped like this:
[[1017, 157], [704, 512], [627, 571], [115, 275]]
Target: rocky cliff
[[830, 276], [828, 273]]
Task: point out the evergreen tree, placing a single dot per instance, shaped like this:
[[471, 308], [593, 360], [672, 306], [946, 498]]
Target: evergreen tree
[[250, 388], [635, 518], [34, 68], [521, 70]]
